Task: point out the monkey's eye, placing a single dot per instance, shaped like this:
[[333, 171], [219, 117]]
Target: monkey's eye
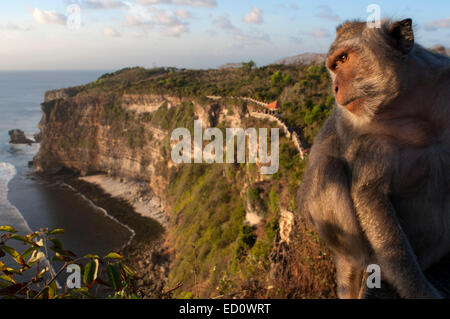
[[342, 58]]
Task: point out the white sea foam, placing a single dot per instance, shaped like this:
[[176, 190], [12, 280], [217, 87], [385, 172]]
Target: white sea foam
[[26, 149], [9, 214]]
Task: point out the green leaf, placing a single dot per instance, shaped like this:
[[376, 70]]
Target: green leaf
[[56, 243], [7, 279], [63, 252], [57, 231], [35, 257], [14, 254], [24, 239], [41, 273], [8, 229], [52, 290], [113, 256], [114, 276], [127, 270], [28, 252], [58, 257], [92, 256], [90, 272], [8, 271], [13, 289], [83, 291]]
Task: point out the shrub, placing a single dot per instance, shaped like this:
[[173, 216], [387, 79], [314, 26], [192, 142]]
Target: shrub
[[108, 271]]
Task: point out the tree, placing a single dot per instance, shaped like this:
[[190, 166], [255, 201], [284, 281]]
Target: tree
[[248, 66]]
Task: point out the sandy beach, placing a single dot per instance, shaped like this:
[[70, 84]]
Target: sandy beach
[[137, 194]]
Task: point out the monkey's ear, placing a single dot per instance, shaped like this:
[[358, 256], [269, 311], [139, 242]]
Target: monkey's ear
[[402, 34]]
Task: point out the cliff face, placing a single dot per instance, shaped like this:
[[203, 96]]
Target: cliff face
[[228, 225], [121, 136]]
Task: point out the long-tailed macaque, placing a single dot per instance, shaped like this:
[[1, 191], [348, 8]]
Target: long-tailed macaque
[[377, 182]]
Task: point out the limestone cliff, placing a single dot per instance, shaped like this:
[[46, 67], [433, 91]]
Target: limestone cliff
[[119, 135]]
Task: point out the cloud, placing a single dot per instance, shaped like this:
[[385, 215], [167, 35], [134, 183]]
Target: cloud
[[325, 12], [252, 39], [138, 16], [319, 33], [295, 38], [438, 24], [14, 27], [244, 39], [193, 3], [102, 4], [169, 22], [110, 32], [49, 17], [183, 14], [223, 22], [176, 30], [291, 6], [254, 16]]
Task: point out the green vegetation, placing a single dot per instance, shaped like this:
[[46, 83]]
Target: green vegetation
[[209, 218], [216, 253], [43, 261], [302, 90], [254, 194]]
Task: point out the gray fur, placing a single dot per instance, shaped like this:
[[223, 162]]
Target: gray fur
[[377, 183]]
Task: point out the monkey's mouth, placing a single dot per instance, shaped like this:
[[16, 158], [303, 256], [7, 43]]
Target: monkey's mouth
[[350, 100]]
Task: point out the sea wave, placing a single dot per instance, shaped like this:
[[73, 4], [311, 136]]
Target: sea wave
[[9, 214], [24, 149], [104, 212]]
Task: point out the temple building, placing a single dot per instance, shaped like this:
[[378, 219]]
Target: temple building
[[272, 108]]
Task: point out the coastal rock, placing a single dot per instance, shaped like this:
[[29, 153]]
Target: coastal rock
[[37, 137], [18, 137]]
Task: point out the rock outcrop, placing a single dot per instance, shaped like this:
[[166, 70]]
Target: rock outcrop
[[124, 136], [18, 137]]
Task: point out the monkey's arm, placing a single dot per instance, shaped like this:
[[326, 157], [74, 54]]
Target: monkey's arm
[[389, 243], [324, 199]]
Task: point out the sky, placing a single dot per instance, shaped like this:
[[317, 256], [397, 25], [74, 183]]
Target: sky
[[112, 34]]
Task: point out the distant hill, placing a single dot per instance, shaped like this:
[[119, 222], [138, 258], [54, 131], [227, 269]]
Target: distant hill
[[231, 66], [304, 58], [440, 49]]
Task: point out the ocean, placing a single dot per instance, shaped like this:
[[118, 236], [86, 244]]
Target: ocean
[[29, 203]]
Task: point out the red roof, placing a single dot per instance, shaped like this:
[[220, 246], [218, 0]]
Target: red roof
[[273, 106]]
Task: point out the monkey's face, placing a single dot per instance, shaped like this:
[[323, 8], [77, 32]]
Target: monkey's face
[[365, 65], [346, 68]]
